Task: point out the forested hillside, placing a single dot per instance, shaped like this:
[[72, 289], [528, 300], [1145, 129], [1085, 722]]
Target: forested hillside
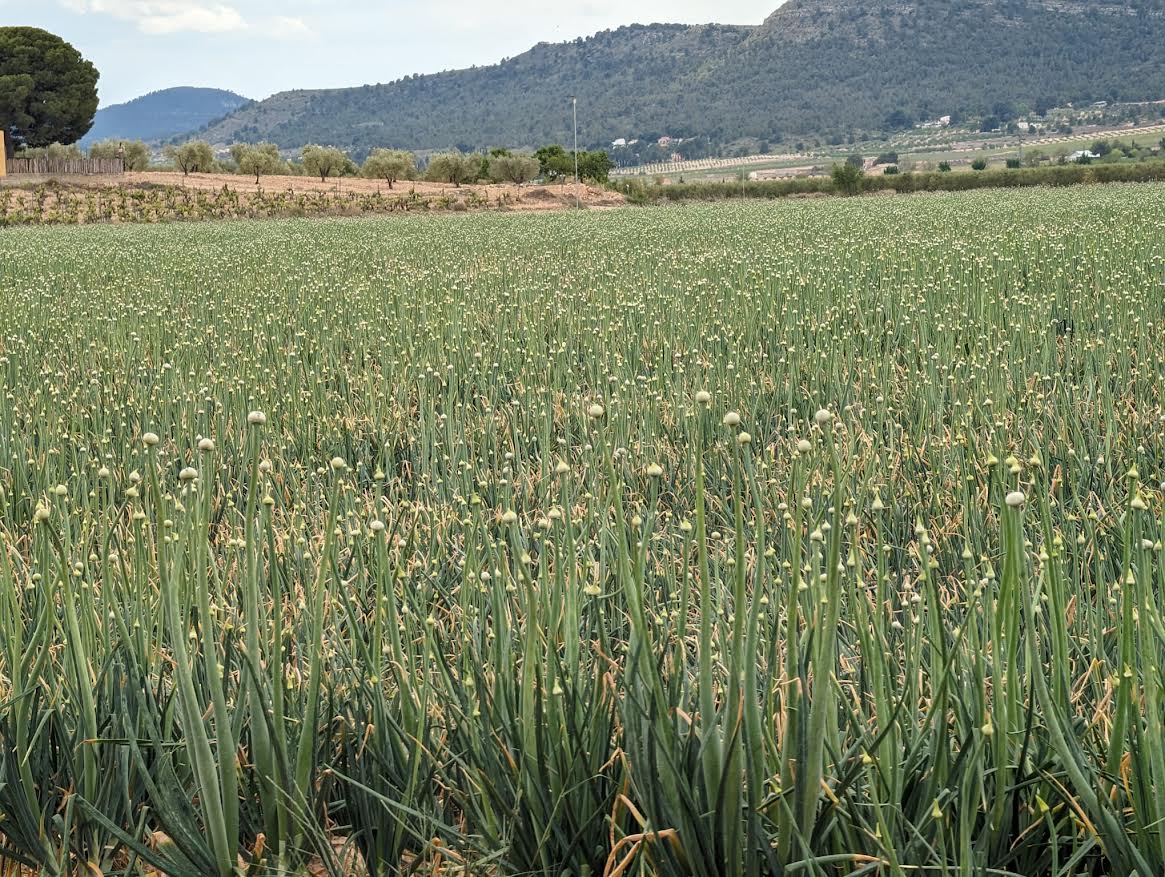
[[814, 67]]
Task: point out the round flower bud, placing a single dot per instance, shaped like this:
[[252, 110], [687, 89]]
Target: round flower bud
[[1015, 499], [562, 468], [654, 470], [703, 397], [744, 438], [376, 526], [338, 464], [595, 410], [150, 439], [822, 416], [188, 474], [804, 446], [206, 445], [732, 419], [257, 418], [509, 517]]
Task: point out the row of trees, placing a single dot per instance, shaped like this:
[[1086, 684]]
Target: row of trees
[[392, 165], [134, 153]]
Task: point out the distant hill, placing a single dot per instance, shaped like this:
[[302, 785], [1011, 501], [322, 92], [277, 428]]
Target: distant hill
[[824, 68], [161, 115]]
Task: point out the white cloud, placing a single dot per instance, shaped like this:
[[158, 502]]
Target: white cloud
[[167, 16], [286, 28]]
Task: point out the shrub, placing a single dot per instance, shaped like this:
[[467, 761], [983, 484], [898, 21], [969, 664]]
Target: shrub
[[513, 168], [847, 179], [135, 155]]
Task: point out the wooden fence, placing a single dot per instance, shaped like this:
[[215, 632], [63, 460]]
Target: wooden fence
[[74, 166]]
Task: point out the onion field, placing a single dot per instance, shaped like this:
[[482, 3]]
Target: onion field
[[811, 538]]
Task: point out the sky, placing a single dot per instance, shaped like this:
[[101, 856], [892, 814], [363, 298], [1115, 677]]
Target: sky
[[258, 47]]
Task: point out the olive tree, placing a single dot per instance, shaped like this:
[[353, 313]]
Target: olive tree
[[324, 161], [192, 157], [58, 151], [257, 159], [389, 165], [513, 168], [452, 167]]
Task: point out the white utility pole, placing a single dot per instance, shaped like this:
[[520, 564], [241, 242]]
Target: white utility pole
[[574, 113]]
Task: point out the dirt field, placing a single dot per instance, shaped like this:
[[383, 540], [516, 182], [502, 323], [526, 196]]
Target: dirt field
[[165, 197], [525, 197]]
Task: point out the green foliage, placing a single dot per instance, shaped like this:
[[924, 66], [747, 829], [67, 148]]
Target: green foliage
[[944, 167], [48, 91], [555, 162], [890, 170], [258, 159], [134, 153], [595, 165], [192, 157], [514, 168], [59, 151], [856, 160], [886, 158], [389, 165], [324, 161], [1013, 163], [1101, 147], [979, 164], [847, 178], [453, 167]]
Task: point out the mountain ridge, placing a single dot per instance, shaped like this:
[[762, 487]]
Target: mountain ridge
[[162, 114], [824, 68]]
